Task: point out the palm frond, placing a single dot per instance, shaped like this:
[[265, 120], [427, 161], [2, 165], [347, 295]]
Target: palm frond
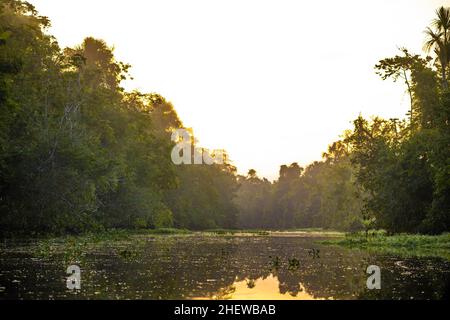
[[433, 39], [442, 20]]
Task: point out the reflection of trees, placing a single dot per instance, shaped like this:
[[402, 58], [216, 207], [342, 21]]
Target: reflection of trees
[[225, 293]]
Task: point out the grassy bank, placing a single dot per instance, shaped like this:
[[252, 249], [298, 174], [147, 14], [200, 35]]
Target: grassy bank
[[401, 244]]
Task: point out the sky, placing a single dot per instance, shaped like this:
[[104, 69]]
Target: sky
[[271, 81]]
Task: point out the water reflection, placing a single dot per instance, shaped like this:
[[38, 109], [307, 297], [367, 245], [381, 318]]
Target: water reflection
[[268, 288], [223, 268]]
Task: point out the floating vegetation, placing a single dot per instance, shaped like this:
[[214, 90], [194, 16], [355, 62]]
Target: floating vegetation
[[275, 262], [294, 264], [128, 254], [70, 250], [314, 253]]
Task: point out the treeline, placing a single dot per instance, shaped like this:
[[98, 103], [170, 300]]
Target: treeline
[[79, 153], [322, 195]]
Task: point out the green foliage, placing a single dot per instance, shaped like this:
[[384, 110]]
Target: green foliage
[[204, 197], [78, 153], [323, 195], [163, 219], [404, 168]]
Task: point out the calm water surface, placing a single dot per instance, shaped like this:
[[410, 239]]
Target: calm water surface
[[235, 267]]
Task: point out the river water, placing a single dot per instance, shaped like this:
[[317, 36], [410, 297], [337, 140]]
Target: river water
[[222, 267]]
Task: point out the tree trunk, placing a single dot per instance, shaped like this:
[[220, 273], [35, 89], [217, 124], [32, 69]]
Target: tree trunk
[[444, 77], [411, 99]]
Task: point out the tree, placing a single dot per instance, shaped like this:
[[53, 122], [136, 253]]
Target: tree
[[420, 82], [438, 40]]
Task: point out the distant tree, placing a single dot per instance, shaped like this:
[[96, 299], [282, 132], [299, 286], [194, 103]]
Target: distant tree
[[251, 174]]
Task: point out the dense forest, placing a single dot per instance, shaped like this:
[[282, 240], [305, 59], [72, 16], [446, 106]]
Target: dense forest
[[79, 153]]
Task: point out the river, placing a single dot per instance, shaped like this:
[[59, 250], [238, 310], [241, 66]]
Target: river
[[222, 267]]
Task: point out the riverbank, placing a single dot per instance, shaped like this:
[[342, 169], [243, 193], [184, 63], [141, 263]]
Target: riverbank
[[401, 244]]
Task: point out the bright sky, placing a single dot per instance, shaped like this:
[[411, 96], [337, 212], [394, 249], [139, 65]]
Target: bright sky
[[271, 81]]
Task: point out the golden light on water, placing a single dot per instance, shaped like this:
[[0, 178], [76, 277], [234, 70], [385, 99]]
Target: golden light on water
[[260, 289]]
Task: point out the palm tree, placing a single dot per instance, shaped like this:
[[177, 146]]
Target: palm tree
[[438, 39]]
